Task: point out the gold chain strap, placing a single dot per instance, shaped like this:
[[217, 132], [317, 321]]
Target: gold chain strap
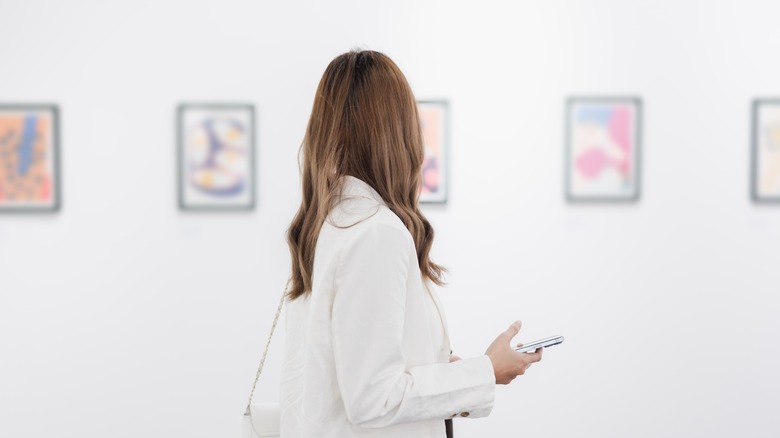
[[267, 344]]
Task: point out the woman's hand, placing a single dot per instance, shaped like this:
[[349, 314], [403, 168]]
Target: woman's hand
[[507, 363]]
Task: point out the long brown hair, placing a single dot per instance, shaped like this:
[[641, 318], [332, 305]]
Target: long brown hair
[[363, 123]]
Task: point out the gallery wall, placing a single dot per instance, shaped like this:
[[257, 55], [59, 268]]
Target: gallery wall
[[122, 316]]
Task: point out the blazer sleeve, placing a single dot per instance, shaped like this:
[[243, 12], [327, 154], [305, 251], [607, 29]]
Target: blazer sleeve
[[377, 388]]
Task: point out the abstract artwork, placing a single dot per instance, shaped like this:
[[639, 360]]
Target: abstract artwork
[[434, 118], [602, 145], [29, 169], [765, 184], [216, 157]]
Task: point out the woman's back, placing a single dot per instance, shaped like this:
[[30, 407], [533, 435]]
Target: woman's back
[[366, 354]]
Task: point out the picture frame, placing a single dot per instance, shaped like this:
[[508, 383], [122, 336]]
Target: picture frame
[[765, 151], [603, 149], [216, 156], [435, 125], [30, 180]]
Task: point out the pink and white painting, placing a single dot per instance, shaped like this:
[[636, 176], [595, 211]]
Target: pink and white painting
[[603, 149], [766, 151]]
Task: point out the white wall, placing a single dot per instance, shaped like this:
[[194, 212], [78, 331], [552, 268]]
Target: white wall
[[123, 317]]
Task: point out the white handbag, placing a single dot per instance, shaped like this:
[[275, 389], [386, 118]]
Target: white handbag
[[262, 419]]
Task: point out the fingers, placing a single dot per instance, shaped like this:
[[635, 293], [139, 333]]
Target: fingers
[[536, 356], [512, 331]]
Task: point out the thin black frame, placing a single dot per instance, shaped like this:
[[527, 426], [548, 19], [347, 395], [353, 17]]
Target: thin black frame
[[445, 104], [575, 199], [55, 147], [755, 197], [181, 109]]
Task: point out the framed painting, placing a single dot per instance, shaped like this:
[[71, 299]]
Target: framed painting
[[765, 172], [603, 149], [434, 122], [29, 158], [216, 154]]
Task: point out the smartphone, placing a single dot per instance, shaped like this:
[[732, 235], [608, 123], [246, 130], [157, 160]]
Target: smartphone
[[541, 343]]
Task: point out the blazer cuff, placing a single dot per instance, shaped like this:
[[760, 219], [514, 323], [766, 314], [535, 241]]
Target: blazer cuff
[[478, 372]]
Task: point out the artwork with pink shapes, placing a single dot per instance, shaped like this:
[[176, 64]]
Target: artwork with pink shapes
[[216, 157], [433, 122], [765, 182], [602, 161], [29, 171]]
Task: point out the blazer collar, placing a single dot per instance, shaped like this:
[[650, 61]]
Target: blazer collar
[[357, 187]]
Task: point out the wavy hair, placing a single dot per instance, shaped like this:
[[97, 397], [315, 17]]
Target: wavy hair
[[363, 123]]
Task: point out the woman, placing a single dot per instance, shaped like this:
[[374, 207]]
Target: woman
[[367, 351]]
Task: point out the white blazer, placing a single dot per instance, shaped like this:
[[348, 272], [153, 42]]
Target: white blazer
[[364, 354]]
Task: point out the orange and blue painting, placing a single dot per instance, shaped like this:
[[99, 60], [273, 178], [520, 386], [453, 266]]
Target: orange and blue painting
[[216, 156], [603, 149], [28, 158], [433, 123]]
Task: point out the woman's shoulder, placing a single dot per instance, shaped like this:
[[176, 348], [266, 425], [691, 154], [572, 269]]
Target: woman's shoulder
[[359, 219], [358, 216]]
